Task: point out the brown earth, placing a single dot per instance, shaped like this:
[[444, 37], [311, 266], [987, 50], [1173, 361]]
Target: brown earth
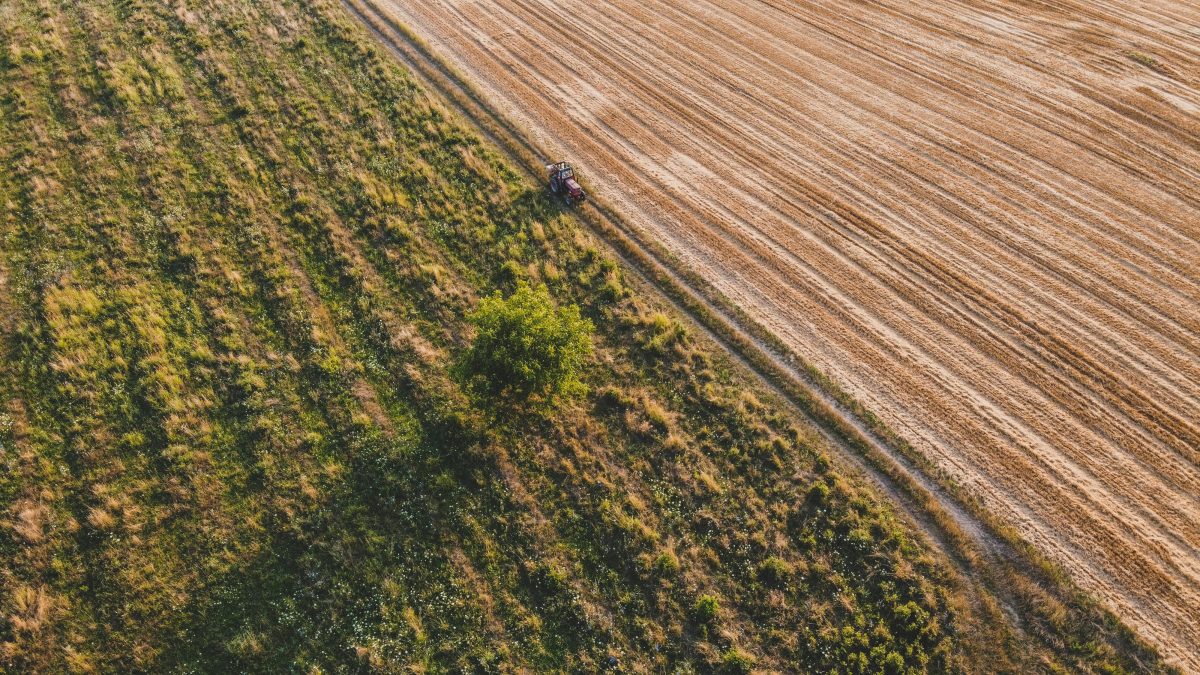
[[982, 219]]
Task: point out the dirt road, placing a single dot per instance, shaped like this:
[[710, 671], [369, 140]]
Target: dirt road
[[982, 219]]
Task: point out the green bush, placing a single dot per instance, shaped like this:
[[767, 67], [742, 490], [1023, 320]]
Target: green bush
[[526, 350], [736, 662], [893, 664], [706, 608], [666, 565], [774, 571]]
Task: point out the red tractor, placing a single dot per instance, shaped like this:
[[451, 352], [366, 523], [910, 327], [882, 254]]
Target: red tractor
[[563, 183]]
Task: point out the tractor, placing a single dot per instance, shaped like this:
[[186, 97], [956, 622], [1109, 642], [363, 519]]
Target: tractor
[[564, 185]]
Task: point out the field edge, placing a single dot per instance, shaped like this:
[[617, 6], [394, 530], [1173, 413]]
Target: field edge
[[981, 544]]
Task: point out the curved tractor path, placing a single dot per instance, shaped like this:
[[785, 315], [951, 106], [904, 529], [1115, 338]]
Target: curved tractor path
[[982, 219]]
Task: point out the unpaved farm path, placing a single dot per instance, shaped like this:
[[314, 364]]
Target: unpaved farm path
[[981, 218]]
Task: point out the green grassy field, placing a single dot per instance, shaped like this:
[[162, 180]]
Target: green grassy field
[[237, 251]]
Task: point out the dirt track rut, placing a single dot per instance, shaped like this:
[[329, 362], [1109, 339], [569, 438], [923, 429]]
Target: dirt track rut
[[981, 219]]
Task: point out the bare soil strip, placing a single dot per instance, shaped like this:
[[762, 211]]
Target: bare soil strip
[[980, 219]]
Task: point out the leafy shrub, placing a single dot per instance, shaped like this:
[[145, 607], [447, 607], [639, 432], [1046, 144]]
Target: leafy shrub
[[774, 571], [736, 662], [666, 565], [893, 664], [706, 608], [818, 494], [526, 349]]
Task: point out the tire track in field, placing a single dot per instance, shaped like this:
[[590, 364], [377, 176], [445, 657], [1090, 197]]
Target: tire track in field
[[981, 219]]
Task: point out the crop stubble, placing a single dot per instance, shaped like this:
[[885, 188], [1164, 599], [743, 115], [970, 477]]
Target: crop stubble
[[982, 219]]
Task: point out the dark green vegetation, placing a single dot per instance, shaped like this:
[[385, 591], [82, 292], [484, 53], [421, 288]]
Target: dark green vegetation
[[526, 351], [237, 252]]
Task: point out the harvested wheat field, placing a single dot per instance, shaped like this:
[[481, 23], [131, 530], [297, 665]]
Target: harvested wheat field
[[982, 219]]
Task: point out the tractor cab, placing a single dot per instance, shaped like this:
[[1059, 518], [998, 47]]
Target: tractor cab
[[563, 183]]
